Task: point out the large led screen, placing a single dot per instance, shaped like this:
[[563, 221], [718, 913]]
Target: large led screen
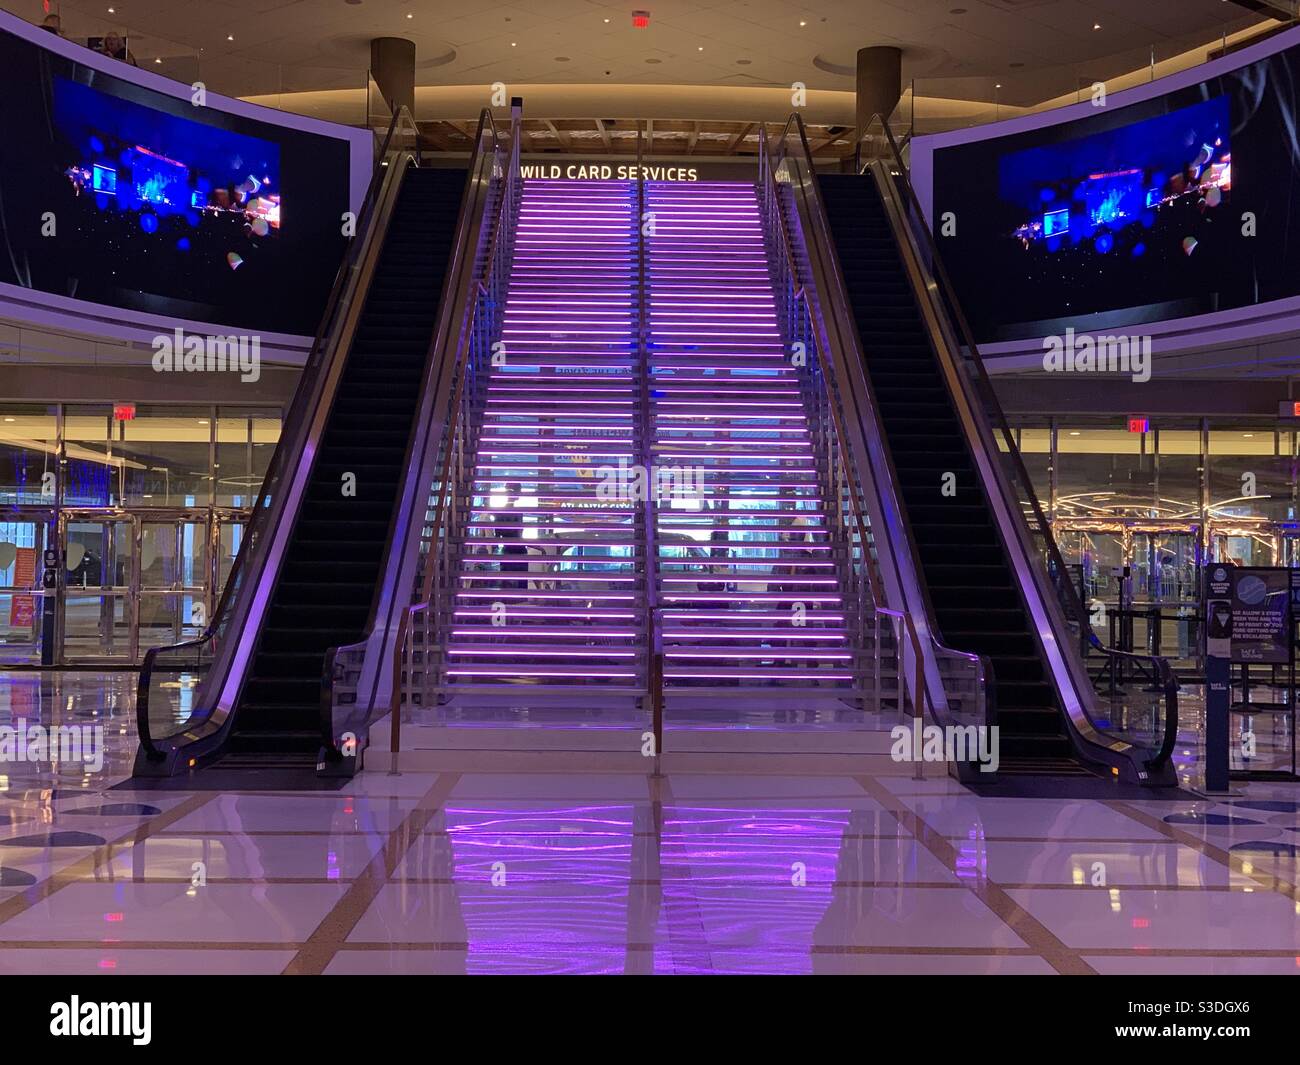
[[1184, 204], [116, 194]]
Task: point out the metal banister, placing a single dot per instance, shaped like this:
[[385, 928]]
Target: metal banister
[[491, 260], [927, 685]]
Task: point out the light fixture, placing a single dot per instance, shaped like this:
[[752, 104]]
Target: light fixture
[[803, 22], [158, 60], [1096, 25], [230, 36]]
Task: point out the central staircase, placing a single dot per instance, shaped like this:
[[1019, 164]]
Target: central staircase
[[644, 473]]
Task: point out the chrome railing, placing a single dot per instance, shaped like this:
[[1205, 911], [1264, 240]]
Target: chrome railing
[[847, 432], [1136, 725], [187, 691], [411, 660], [359, 678]]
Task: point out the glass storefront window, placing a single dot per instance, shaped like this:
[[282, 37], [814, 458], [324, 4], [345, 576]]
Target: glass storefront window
[[1103, 471], [246, 439], [1179, 446], [165, 454], [28, 453], [1036, 453], [1251, 471], [91, 479], [142, 574]]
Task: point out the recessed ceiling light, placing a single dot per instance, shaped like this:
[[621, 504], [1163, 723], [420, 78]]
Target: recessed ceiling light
[[607, 20], [230, 36], [514, 44], [10, 419], [159, 60], [803, 22], [1096, 25], [409, 15], [112, 11], [700, 48], [1075, 433]]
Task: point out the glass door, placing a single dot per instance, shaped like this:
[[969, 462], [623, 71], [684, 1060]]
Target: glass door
[[22, 597], [1166, 592], [1244, 546], [101, 580], [174, 579]]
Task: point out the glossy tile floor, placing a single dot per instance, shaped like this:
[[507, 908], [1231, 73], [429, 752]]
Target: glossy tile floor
[[581, 861]]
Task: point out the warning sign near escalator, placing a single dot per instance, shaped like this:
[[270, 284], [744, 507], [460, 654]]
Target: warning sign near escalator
[[1248, 613]]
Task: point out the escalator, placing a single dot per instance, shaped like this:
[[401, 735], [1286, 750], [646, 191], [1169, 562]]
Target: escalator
[[332, 565], [968, 554], [296, 660], [976, 599]]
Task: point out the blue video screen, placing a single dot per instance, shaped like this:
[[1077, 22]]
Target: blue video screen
[[1117, 192], [163, 206], [1176, 206]]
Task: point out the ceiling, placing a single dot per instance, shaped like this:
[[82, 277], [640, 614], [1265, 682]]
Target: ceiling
[[1041, 47]]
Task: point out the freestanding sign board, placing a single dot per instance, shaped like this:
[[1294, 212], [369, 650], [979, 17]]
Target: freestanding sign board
[[1249, 614], [1261, 614]]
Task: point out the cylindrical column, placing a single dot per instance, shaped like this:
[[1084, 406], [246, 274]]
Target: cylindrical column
[[392, 65], [879, 83]]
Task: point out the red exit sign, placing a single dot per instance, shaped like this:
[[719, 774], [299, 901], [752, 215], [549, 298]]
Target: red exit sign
[[1138, 424], [124, 412]]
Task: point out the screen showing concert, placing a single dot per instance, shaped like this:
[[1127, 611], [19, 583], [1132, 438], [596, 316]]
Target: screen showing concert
[[149, 184], [1173, 207], [1153, 188], [116, 194]]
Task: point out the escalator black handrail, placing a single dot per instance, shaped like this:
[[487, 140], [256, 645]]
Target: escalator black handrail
[[981, 663], [1058, 572], [294, 416], [449, 334]]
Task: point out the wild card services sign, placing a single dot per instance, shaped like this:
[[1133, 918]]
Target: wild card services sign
[[606, 172]]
